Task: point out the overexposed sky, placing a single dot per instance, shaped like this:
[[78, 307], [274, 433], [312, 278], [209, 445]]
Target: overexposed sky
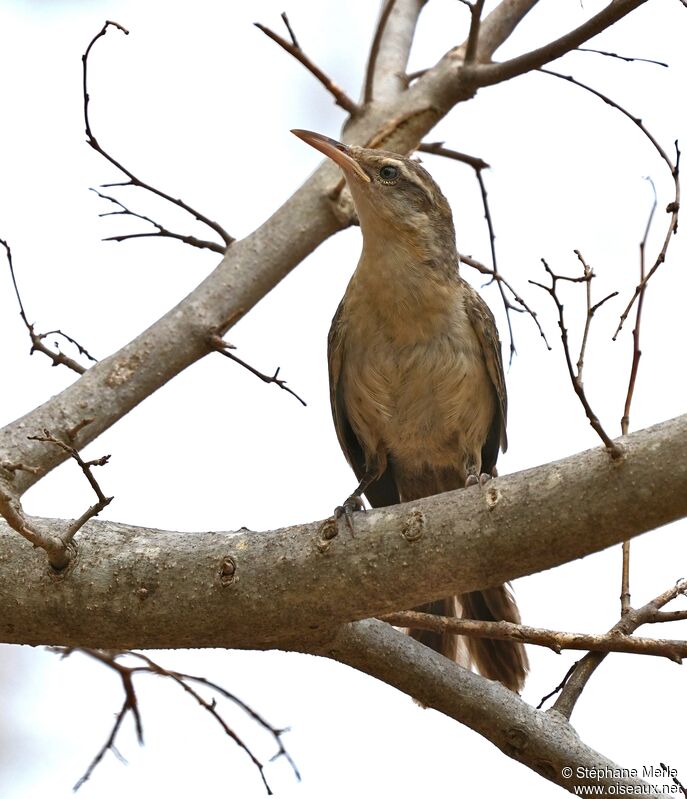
[[198, 102]]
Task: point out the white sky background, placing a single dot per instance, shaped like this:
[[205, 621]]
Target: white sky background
[[199, 103]]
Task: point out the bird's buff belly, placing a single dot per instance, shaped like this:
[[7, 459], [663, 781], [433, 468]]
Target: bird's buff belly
[[432, 407]]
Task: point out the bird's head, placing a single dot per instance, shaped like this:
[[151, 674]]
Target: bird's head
[[393, 195]]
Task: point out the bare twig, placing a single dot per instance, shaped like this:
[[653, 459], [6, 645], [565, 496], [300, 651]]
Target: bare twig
[[126, 674], [162, 231], [621, 57], [437, 148], [286, 22], [37, 339], [559, 687], [614, 449], [673, 207], [217, 343], [339, 95], [625, 597], [368, 95], [629, 622], [86, 468], [132, 179], [591, 310], [555, 640], [478, 164], [636, 351]]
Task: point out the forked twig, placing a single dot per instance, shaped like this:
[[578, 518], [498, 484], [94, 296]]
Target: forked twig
[[162, 231], [38, 339], [629, 622], [339, 95], [86, 468], [625, 596], [478, 164], [130, 705], [223, 347], [673, 207], [576, 373], [132, 180]]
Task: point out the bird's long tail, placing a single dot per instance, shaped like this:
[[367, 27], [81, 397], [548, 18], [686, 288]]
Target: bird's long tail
[[505, 661]]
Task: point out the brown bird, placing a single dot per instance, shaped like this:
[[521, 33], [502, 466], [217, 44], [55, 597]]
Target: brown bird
[[416, 378]]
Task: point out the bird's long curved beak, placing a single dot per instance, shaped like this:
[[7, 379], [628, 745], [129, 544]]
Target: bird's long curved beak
[[335, 150]]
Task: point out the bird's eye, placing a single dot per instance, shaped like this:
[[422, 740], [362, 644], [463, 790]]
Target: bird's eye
[[388, 173]]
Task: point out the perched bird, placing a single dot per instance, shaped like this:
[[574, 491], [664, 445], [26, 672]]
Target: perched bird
[[416, 378]]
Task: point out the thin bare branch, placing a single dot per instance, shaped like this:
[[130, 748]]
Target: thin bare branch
[[132, 179], [673, 207], [613, 448], [625, 596], [485, 270], [162, 231], [339, 95], [636, 351], [555, 640], [621, 57], [286, 22], [37, 339], [591, 310], [126, 674], [478, 164], [86, 468], [223, 347], [438, 148], [628, 623]]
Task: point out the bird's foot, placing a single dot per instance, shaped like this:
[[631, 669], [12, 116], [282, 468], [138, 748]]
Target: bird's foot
[[353, 504], [483, 479]]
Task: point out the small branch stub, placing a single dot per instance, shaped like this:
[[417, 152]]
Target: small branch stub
[[414, 525], [326, 533], [227, 570]]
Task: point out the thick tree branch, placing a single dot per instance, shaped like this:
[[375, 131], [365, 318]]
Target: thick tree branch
[[498, 26], [543, 741], [386, 66], [170, 589], [489, 74]]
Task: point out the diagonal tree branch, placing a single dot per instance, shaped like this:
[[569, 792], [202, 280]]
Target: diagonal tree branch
[[543, 741], [339, 95], [489, 74], [498, 26]]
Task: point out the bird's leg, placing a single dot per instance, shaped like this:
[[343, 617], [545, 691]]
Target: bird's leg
[[354, 503]]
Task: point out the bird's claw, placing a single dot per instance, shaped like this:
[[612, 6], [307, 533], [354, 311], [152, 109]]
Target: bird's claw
[[352, 505], [482, 480]]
